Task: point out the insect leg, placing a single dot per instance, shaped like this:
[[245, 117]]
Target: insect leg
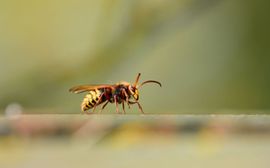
[[123, 105], [116, 104], [99, 100], [140, 107], [103, 106], [126, 95]]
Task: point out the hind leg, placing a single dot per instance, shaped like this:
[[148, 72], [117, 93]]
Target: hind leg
[[104, 106], [98, 102]]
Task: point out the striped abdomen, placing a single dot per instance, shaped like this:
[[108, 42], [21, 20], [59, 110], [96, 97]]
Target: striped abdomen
[[91, 99]]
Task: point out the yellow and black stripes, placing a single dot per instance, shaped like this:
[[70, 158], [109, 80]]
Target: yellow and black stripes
[[91, 99]]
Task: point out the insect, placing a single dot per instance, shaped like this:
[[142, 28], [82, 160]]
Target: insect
[[119, 93]]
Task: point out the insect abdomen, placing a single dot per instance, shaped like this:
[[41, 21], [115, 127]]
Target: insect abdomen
[[91, 99]]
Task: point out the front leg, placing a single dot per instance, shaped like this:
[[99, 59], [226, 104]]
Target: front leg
[[140, 107]]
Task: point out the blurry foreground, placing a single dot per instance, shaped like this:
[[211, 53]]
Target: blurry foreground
[[134, 141], [208, 54]]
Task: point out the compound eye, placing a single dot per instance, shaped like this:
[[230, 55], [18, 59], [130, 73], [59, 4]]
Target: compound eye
[[136, 95], [132, 89]]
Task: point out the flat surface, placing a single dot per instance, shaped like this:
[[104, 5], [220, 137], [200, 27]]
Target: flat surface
[[134, 141]]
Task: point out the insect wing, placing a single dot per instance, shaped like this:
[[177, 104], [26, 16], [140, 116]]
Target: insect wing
[[84, 88]]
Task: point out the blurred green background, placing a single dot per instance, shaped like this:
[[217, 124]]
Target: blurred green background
[[210, 55]]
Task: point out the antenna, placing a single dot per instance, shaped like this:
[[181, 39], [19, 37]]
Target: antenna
[[137, 80]]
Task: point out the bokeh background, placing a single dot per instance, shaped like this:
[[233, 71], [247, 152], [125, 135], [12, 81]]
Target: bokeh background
[[210, 55]]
